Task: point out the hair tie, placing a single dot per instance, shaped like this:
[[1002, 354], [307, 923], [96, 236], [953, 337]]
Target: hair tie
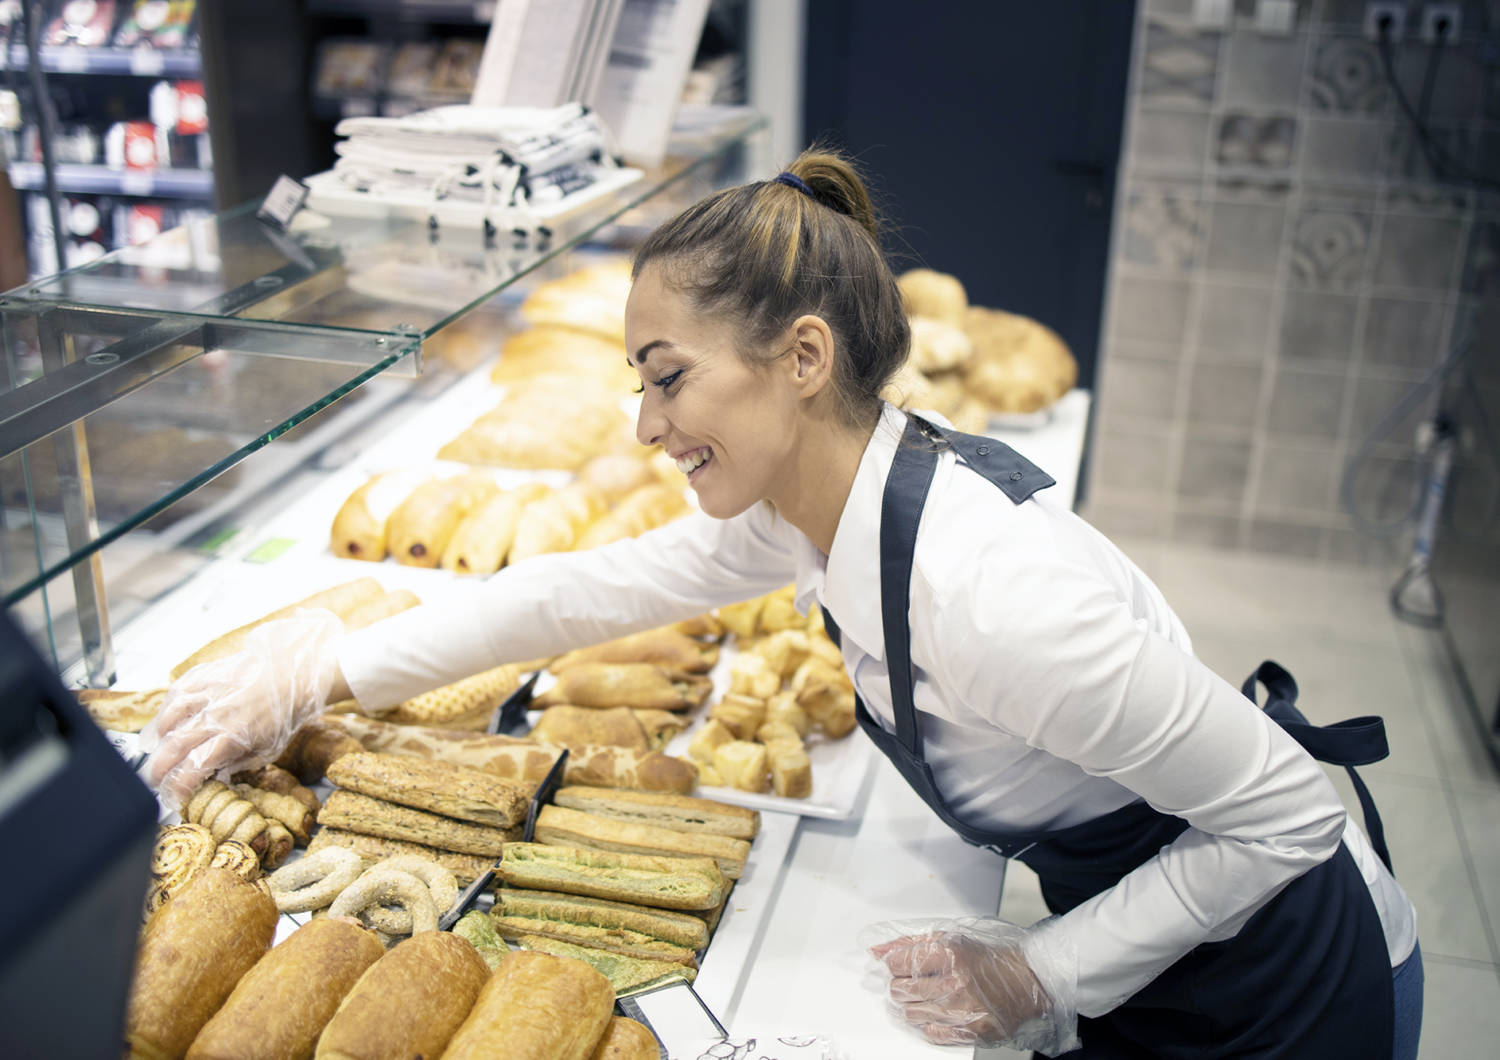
[[793, 181]]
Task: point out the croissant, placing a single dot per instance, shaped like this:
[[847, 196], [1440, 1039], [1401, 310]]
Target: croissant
[[626, 685], [481, 542], [419, 529]]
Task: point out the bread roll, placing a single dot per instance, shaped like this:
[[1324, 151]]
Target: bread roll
[[358, 530], [193, 951], [668, 883], [585, 726], [536, 1007], [560, 826], [678, 812], [408, 1003], [418, 531], [928, 293], [625, 1039], [1019, 365], [437, 787], [481, 543], [280, 1007], [341, 599], [553, 523], [626, 685], [645, 509]]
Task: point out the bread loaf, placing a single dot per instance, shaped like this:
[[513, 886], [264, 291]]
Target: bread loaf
[[536, 1007], [280, 1007], [361, 813], [437, 787], [408, 1003], [681, 813], [681, 929], [666, 883], [192, 953], [560, 826], [625, 1039]]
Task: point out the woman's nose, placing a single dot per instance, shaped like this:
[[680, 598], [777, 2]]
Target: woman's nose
[[650, 424]]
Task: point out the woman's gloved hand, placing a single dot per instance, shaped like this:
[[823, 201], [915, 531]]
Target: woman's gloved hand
[[979, 982], [240, 711]]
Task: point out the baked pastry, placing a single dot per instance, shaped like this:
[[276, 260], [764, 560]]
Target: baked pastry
[[570, 727], [743, 765], [660, 726], [827, 695], [466, 868], [409, 1003], [626, 685], [682, 929], [1019, 365], [939, 345], [664, 647], [709, 739], [591, 299], [358, 530], [687, 883], [437, 787], [681, 813], [624, 973], [192, 953], [552, 421], [536, 1007], [292, 814], [121, 711], [466, 704], [552, 349], [475, 926], [616, 475], [560, 826], [482, 541], [373, 611], [625, 1039], [274, 778], [554, 523], [227, 815], [280, 1007], [419, 529], [645, 509], [181, 852], [929, 293], [388, 820], [314, 747], [741, 715], [615, 938]]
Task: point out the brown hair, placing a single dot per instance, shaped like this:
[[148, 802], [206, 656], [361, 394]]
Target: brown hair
[[767, 253]]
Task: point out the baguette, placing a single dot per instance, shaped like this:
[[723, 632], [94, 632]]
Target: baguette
[[625, 974], [560, 826], [668, 883], [341, 599], [681, 813], [466, 868], [536, 1007], [360, 813], [437, 787], [682, 929]]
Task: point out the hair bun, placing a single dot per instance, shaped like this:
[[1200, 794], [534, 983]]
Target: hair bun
[[837, 185]]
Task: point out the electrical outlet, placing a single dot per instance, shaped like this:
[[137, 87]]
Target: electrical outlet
[[1440, 22], [1388, 13]]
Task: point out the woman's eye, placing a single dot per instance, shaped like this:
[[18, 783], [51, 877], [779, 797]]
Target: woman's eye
[[667, 380]]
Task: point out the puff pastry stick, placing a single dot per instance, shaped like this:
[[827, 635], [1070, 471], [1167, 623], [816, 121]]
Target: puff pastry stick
[[482, 541], [419, 529], [626, 685]]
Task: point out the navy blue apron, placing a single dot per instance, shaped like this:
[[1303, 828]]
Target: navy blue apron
[[1308, 976]]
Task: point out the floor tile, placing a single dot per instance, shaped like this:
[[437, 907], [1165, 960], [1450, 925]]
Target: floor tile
[[1454, 731], [1478, 815], [1461, 1010]]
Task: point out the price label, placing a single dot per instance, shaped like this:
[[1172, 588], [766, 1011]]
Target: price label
[[147, 62], [72, 60], [283, 201], [136, 182], [271, 549]]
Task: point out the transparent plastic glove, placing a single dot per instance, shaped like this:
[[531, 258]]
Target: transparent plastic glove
[[240, 711], [976, 981]]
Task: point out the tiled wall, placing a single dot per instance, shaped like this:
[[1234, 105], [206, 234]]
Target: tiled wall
[[1284, 271]]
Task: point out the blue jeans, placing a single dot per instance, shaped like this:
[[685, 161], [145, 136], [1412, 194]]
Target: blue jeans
[[1406, 981]]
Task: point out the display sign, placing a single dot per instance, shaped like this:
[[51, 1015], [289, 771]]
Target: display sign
[[283, 201]]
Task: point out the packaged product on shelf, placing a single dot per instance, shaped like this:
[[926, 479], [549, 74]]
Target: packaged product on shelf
[[457, 68], [131, 145], [162, 24], [411, 69], [86, 23], [349, 68]]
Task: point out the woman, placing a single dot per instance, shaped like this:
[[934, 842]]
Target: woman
[[1026, 678]]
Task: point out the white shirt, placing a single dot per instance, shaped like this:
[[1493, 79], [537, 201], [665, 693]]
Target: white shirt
[[1053, 685]]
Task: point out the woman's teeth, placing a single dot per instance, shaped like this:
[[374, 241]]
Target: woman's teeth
[[690, 462]]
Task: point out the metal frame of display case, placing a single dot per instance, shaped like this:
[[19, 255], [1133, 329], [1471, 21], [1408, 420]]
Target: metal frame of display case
[[145, 321]]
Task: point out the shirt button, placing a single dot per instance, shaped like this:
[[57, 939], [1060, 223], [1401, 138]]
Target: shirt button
[[983, 450], [1015, 476]]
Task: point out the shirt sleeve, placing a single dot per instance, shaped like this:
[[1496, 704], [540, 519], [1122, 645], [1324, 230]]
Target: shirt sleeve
[[1051, 654], [552, 604]]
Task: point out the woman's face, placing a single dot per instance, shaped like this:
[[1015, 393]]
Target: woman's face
[[730, 424]]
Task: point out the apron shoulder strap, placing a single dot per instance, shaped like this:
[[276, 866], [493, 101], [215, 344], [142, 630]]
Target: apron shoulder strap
[[1355, 742], [1009, 471]]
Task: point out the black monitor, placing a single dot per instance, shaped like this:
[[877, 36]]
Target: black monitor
[[76, 830]]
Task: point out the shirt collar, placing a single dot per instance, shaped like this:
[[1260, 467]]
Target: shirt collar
[[847, 581]]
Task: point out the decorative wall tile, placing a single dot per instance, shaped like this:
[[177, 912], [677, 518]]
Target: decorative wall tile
[[1318, 326], [1333, 149], [1418, 252], [1384, 488], [1133, 388], [1411, 173], [1224, 395], [1306, 404], [1402, 333], [1457, 81], [1261, 142], [1377, 399], [1214, 469], [1161, 228], [1284, 538], [1329, 248], [1245, 237], [1234, 322], [1263, 71], [1297, 478], [1168, 141], [1205, 528], [1149, 309], [1179, 66], [1346, 77]]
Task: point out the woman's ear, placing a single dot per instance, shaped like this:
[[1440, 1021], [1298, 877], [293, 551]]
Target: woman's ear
[[812, 352]]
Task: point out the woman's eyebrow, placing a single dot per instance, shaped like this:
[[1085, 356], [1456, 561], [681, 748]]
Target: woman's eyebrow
[[645, 351]]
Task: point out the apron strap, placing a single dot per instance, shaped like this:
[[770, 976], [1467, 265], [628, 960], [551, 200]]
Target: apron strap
[[1355, 742]]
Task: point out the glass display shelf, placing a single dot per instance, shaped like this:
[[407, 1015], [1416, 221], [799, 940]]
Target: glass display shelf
[[133, 388]]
